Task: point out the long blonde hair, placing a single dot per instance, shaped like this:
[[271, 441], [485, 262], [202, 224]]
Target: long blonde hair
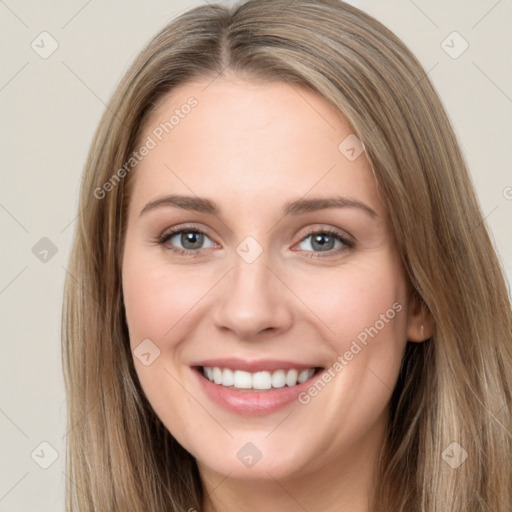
[[454, 388]]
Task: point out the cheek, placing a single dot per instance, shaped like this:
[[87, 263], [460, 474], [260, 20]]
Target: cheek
[[349, 301], [159, 307], [156, 300], [362, 313]]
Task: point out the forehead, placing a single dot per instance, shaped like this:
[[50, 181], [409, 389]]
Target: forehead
[[259, 142]]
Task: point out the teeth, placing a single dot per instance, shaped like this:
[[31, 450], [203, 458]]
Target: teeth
[[304, 376], [279, 379], [227, 377], [261, 380], [242, 380], [257, 380], [217, 375], [291, 377]]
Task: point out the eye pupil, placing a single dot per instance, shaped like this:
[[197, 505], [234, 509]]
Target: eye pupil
[[323, 245], [191, 237]]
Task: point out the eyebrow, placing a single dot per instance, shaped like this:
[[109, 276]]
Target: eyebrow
[[298, 207]]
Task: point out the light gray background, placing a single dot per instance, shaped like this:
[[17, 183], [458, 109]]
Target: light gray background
[[49, 111]]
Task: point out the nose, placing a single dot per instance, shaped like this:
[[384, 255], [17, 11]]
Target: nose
[[253, 302]]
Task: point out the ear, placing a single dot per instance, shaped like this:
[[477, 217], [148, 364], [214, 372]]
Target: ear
[[420, 325]]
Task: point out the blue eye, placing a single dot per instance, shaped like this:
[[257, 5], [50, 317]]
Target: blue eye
[[326, 241], [192, 240]]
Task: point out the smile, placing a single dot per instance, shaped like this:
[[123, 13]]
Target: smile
[[262, 380], [254, 388]]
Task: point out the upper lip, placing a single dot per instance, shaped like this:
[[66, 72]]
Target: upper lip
[[254, 365]]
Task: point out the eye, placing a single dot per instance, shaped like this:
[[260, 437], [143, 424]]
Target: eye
[[190, 239], [327, 241]]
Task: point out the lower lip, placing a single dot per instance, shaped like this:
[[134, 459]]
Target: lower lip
[[250, 402]]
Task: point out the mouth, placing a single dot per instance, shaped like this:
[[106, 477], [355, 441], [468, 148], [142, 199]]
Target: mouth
[[250, 387], [258, 381]]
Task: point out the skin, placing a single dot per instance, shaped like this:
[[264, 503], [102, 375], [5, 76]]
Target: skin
[[251, 148]]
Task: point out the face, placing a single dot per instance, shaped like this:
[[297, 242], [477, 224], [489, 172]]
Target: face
[[266, 304]]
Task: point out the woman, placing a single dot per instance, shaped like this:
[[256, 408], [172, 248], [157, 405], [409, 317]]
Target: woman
[[284, 294]]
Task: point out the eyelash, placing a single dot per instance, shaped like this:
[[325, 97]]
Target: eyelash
[[349, 244]]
